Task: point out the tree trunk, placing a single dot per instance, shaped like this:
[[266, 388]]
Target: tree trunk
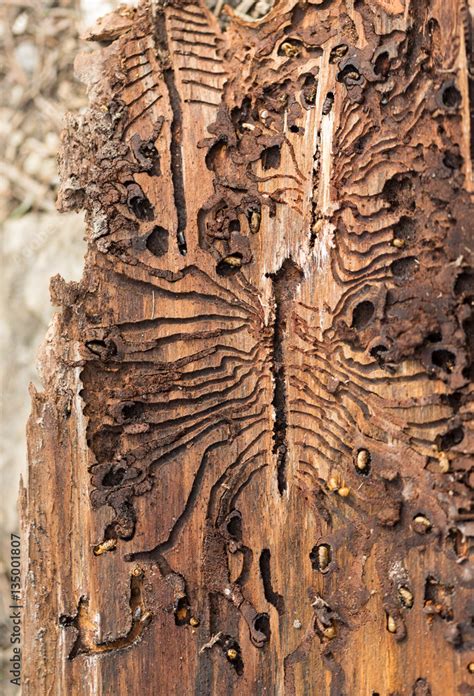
[[249, 464]]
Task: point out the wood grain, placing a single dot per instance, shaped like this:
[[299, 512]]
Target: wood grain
[[249, 468]]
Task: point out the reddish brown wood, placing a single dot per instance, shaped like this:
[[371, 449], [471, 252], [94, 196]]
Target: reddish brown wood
[[249, 465]]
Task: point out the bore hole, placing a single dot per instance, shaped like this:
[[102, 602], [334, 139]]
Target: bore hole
[[453, 160], [234, 525], [404, 229], [320, 557], [234, 226], [328, 102], [421, 688], [157, 241], [254, 217], [147, 149], [215, 155], [291, 48], [138, 203], [231, 650], [382, 64], [337, 53], [103, 349], [404, 268], [398, 191], [434, 337], [95, 346], [239, 115], [457, 539], [271, 157], [294, 129], [181, 611], [66, 620], [438, 598], [363, 461], [405, 596], [350, 75], [362, 314], [229, 265], [432, 26], [132, 411], [310, 87], [464, 283], [378, 351], [443, 359], [421, 524], [451, 96], [114, 477], [262, 625], [450, 439]]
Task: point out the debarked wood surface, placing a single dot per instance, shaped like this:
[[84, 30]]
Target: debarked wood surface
[[249, 468]]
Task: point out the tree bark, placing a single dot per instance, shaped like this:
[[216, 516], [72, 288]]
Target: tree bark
[[248, 469]]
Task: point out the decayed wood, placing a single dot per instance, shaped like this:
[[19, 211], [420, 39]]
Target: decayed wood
[[249, 465]]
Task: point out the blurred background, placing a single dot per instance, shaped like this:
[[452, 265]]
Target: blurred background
[[39, 40]]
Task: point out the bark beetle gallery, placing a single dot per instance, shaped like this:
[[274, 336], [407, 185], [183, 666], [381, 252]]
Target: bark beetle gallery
[[249, 465]]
